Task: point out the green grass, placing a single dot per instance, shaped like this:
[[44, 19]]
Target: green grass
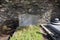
[[27, 33]]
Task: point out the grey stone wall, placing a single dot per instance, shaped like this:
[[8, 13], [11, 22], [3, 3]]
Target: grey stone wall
[[45, 8]]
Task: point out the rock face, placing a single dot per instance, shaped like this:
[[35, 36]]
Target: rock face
[[47, 9]]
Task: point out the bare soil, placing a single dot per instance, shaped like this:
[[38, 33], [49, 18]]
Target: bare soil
[[5, 33]]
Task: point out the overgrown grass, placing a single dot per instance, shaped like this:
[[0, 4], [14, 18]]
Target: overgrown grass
[[27, 33]]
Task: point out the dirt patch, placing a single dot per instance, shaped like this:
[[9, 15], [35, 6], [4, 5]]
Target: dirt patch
[[8, 29], [4, 37], [5, 33]]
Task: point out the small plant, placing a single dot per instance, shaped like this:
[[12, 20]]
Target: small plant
[[27, 33]]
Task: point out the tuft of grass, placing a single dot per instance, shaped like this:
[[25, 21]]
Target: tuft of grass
[[27, 33]]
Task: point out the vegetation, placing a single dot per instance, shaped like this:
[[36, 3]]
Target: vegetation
[[27, 33]]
